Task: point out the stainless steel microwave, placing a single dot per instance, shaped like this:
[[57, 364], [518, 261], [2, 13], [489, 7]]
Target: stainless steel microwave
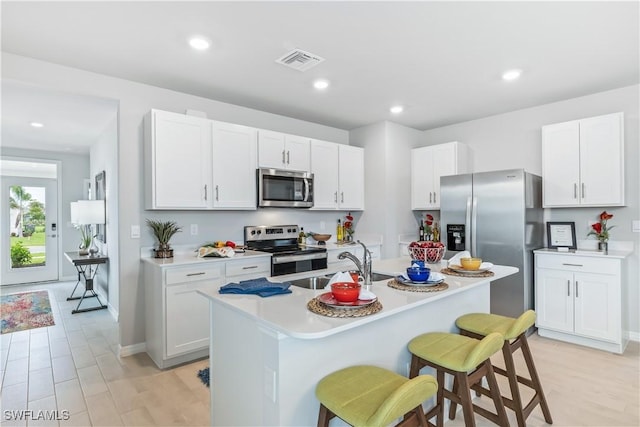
[[280, 188]]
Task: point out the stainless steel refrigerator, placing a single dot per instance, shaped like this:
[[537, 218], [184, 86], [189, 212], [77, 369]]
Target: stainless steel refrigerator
[[498, 217]]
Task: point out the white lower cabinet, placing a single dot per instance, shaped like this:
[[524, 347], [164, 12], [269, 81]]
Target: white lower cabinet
[[579, 299], [176, 315]]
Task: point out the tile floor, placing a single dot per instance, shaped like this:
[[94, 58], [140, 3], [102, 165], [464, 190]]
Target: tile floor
[[73, 366]]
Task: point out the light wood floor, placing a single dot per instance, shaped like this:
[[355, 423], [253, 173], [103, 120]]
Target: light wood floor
[[74, 366]]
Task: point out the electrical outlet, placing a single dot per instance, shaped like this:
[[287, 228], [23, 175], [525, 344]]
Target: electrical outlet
[[635, 226], [194, 229], [135, 231]]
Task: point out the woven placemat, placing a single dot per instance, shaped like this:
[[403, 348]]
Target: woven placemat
[[393, 283], [318, 307], [450, 272]]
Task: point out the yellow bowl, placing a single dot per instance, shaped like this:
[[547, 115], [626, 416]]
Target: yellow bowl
[[471, 263]]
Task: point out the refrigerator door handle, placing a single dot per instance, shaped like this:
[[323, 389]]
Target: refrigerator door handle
[[474, 217], [467, 225]]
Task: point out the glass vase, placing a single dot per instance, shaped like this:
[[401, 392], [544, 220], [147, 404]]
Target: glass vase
[[603, 246]]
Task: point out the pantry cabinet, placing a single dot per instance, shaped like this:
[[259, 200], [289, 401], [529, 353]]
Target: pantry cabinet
[[282, 151], [177, 161], [583, 162], [338, 176], [579, 299], [234, 166], [430, 163]]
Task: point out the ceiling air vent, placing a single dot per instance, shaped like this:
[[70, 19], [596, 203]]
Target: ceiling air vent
[[300, 60]]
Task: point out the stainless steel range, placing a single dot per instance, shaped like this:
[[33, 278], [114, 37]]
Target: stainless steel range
[[282, 242]]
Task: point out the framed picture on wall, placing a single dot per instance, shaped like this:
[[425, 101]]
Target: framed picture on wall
[[100, 192], [561, 235]]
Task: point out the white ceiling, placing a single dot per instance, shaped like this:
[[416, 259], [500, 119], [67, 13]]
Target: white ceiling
[[441, 60]]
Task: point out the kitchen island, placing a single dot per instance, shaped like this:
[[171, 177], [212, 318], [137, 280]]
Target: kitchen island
[[268, 354]]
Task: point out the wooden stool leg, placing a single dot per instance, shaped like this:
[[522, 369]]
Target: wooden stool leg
[[324, 416], [496, 396], [440, 400], [414, 371], [526, 352], [510, 367], [453, 405], [465, 399]]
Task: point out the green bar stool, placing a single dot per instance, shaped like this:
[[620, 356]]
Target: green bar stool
[[478, 325], [372, 396], [467, 359]]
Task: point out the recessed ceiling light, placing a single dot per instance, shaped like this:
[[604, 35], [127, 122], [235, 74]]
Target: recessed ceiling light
[[397, 109], [511, 75], [199, 43], [321, 84], [36, 124]]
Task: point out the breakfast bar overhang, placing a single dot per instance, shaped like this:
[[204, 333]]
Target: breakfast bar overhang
[[268, 354]]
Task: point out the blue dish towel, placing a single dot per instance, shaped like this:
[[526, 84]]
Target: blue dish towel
[[261, 286]]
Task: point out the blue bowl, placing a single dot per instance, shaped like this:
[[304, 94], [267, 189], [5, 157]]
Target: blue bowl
[[418, 262], [418, 274]]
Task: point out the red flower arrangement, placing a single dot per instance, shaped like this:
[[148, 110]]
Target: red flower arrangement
[[348, 225], [600, 229]]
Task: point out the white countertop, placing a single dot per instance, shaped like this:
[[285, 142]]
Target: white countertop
[[186, 258], [288, 314], [620, 254]]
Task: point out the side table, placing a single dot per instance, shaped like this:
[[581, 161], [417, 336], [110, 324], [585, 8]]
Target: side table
[[87, 267]]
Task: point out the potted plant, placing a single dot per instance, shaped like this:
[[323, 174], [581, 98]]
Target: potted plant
[[163, 231]]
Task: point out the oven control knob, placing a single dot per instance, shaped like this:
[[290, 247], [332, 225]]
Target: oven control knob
[[259, 232], [253, 232]]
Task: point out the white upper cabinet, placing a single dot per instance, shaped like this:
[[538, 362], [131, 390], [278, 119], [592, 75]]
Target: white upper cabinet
[[338, 176], [583, 162], [281, 151], [177, 161], [430, 163], [234, 166]]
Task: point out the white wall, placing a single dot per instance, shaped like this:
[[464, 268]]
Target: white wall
[[387, 181], [74, 170], [513, 140], [135, 100]]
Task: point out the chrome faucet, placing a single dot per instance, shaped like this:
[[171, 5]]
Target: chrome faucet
[[364, 267]]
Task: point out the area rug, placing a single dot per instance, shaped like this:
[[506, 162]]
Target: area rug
[[25, 310], [203, 374]]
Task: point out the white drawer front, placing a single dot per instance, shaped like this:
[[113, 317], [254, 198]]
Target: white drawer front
[[578, 263], [193, 273], [256, 266]]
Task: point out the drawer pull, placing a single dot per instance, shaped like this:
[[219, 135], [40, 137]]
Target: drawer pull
[[572, 265], [196, 274], [249, 267]]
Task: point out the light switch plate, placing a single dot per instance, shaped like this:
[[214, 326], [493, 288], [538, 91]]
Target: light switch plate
[[194, 229], [135, 231], [635, 226]]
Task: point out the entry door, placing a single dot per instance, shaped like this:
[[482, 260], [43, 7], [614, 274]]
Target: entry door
[[29, 230]]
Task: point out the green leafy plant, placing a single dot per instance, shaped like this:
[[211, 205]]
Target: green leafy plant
[[163, 230], [20, 256]]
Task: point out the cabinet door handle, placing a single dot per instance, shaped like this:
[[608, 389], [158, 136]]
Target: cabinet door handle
[[288, 156], [434, 197], [572, 265], [583, 192], [202, 273], [283, 157], [335, 197], [342, 197], [216, 193], [430, 200], [576, 289], [575, 190], [568, 288], [249, 267], [205, 192]]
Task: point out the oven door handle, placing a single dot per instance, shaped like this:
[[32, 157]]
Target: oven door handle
[[275, 259]]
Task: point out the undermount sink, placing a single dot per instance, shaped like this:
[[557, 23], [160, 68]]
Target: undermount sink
[[320, 282]]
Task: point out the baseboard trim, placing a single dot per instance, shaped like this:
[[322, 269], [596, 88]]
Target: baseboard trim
[[634, 336], [130, 350]]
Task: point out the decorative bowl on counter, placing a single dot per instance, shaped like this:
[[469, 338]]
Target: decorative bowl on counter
[[418, 274], [345, 291], [429, 254], [320, 237], [471, 263]]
